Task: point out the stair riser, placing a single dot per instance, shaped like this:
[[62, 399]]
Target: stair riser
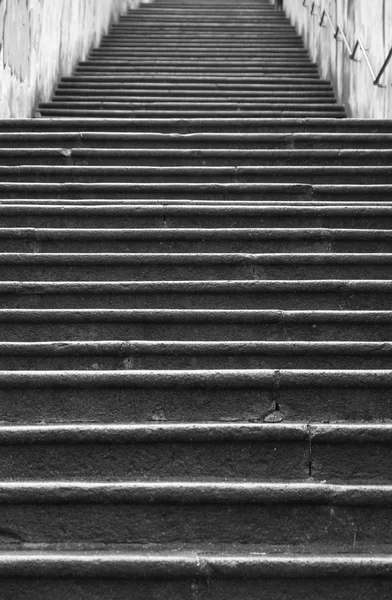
[[157, 461], [185, 589], [124, 405], [198, 126], [159, 329], [354, 463], [192, 361], [100, 272], [198, 31], [196, 114], [189, 221], [70, 244], [268, 91], [214, 34], [241, 106], [195, 143], [118, 60], [189, 56], [314, 176], [228, 19], [283, 45], [280, 40], [137, 159], [200, 300], [236, 54], [198, 524], [294, 96], [203, 78], [190, 191], [98, 588], [175, 68]]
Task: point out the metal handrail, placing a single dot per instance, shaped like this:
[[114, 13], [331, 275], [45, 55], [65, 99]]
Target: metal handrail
[[359, 45]]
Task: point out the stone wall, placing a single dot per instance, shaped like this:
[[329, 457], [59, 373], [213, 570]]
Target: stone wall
[[42, 40], [370, 20]]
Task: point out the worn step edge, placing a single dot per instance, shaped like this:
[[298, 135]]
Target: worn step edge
[[66, 202], [154, 86], [106, 113], [164, 565], [68, 492], [192, 105], [188, 98], [240, 286], [155, 258], [320, 433], [143, 210], [191, 138], [300, 189], [107, 170], [116, 234], [191, 153], [214, 378]]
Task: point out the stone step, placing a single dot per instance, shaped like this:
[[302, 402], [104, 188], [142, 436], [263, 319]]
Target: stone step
[[188, 106], [157, 69], [126, 396], [312, 294], [193, 215], [290, 55], [72, 113], [215, 62], [195, 240], [284, 44], [187, 355], [253, 126], [165, 266], [194, 77], [183, 202], [155, 142], [124, 451], [92, 156], [120, 571], [234, 96], [178, 89], [181, 103], [154, 512], [190, 176], [196, 176], [195, 191], [209, 68], [37, 325], [358, 453]]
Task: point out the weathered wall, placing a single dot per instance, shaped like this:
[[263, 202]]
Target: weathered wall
[[371, 20], [41, 40]]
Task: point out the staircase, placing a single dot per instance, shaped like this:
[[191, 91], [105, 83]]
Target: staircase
[[196, 323]]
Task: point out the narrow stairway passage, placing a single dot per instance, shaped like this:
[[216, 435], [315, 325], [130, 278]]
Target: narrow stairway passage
[[196, 322]]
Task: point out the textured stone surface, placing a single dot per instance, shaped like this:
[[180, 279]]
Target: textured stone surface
[[192, 403]]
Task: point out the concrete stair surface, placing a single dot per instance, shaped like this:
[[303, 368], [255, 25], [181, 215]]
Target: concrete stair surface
[[196, 322]]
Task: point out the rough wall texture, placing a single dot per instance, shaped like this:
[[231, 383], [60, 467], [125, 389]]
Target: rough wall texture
[[370, 20], [41, 40]]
